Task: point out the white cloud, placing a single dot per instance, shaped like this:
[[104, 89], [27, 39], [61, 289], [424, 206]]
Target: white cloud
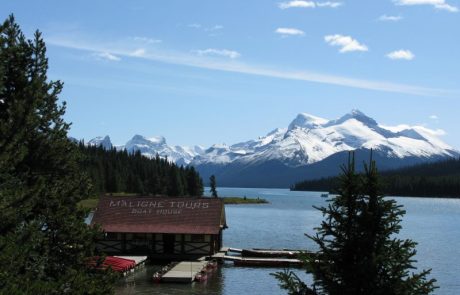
[[438, 4], [202, 62], [401, 54], [421, 129], [289, 31], [347, 43], [390, 18], [106, 56], [308, 4], [138, 52], [434, 117], [297, 3], [147, 40], [220, 52], [329, 4]]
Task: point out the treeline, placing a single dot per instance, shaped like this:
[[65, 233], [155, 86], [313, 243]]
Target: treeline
[[113, 171], [438, 179]]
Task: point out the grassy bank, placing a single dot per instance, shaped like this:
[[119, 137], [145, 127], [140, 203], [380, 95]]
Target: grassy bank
[[88, 203]]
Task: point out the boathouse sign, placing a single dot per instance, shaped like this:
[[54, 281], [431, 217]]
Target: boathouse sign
[[158, 207]]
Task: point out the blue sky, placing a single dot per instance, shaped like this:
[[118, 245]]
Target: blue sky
[[204, 72]]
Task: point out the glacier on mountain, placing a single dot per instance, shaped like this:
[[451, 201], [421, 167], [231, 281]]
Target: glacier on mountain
[[307, 140]]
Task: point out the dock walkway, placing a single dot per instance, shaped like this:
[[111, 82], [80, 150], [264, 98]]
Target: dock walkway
[[184, 272], [266, 262], [273, 257]]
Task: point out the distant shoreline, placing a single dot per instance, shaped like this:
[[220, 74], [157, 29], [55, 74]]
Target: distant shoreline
[[243, 200], [387, 195]]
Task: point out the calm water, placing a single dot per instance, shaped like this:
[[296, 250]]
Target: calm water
[[433, 223]]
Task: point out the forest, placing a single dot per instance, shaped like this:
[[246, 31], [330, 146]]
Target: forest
[[114, 171], [437, 179]]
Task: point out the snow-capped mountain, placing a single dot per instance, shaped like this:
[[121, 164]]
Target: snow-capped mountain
[[310, 147], [104, 141], [152, 146], [310, 139]]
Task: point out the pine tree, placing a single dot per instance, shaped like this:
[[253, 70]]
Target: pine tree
[[43, 238], [212, 184], [359, 252]]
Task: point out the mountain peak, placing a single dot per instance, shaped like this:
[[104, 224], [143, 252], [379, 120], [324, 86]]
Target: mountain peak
[[138, 137], [357, 115], [304, 120], [105, 142], [156, 140]]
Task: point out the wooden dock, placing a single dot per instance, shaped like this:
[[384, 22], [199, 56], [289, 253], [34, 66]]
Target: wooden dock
[[184, 272], [263, 262], [271, 253], [260, 257]]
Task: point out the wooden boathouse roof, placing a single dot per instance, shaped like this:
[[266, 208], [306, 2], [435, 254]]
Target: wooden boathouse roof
[[168, 215]]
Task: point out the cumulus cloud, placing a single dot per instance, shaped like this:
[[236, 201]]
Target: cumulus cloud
[[434, 117], [401, 127], [346, 43], [219, 52], [438, 4], [401, 54], [106, 56], [432, 132], [297, 3], [308, 4], [289, 31], [390, 18]]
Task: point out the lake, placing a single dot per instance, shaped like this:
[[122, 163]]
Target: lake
[[433, 223]]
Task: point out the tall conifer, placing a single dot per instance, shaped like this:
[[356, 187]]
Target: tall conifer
[[43, 238], [359, 251], [212, 184]]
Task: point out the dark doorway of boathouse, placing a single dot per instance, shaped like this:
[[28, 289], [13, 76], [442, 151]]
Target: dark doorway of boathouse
[[169, 241]]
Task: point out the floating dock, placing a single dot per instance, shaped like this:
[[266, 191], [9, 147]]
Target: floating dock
[[260, 257], [271, 253], [184, 272], [263, 262]]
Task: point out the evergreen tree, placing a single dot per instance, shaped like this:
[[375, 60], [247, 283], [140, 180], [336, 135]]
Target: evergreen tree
[[359, 252], [43, 238], [194, 184], [212, 184], [115, 171]]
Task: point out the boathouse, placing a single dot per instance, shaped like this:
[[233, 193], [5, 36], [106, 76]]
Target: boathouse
[[160, 227]]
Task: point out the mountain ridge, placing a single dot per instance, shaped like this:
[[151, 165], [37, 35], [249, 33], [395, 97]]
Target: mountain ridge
[[308, 146]]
